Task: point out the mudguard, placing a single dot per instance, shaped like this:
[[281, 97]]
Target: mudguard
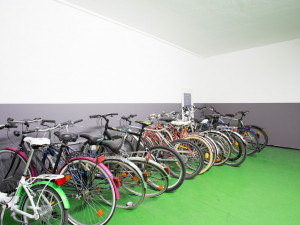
[[59, 191]]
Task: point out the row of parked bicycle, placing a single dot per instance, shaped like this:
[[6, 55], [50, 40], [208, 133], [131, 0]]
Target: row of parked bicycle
[[57, 178]]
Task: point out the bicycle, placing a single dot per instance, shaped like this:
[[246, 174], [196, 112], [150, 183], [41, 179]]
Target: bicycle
[[89, 182], [37, 202]]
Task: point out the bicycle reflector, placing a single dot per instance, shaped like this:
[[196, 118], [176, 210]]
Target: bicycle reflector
[[101, 158], [258, 134], [100, 212], [234, 130], [167, 169], [117, 182], [146, 176], [148, 156]]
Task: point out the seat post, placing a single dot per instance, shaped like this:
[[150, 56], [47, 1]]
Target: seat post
[[58, 157]]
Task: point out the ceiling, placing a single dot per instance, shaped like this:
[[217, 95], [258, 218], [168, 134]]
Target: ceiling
[[205, 27]]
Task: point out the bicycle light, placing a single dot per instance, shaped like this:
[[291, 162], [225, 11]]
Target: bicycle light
[[63, 180], [60, 181]]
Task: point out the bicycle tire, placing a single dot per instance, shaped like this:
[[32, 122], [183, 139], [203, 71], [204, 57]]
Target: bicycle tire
[[192, 156], [251, 139], [172, 158], [47, 212], [132, 188], [263, 138], [237, 156], [97, 189], [16, 169], [206, 151], [157, 178], [224, 144]]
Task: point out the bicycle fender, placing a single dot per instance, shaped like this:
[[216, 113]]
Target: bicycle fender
[[59, 191]]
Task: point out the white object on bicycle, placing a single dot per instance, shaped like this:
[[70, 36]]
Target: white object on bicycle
[[204, 121], [37, 141], [181, 123]]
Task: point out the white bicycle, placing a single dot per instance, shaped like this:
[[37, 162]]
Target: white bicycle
[[35, 200]]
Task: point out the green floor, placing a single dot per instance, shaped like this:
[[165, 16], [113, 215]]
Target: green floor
[[265, 189]]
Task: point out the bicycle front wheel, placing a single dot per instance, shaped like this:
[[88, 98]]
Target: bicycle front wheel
[[48, 204]]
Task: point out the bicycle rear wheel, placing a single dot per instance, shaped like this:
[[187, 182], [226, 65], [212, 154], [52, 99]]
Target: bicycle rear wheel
[[156, 178], [192, 156], [90, 191], [261, 135], [251, 139], [238, 150], [132, 188], [172, 158]]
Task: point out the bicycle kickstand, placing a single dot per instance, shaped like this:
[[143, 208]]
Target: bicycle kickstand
[[2, 214]]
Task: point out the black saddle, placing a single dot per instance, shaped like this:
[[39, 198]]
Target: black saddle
[[166, 119], [113, 145], [92, 140], [144, 123], [66, 137]]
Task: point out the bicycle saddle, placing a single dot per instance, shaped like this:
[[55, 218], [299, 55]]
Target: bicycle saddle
[[181, 123], [144, 123], [92, 140], [37, 141], [166, 119], [114, 145], [229, 115], [66, 137]]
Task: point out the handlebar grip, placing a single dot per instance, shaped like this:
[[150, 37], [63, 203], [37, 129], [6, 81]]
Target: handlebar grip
[[38, 118], [132, 115], [48, 121], [10, 119], [65, 123], [78, 121], [112, 114], [94, 116], [29, 131]]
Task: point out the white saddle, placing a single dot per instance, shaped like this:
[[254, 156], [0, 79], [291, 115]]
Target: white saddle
[[37, 141], [181, 123], [204, 121]]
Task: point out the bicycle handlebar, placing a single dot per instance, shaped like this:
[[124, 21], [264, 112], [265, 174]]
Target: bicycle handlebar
[[26, 122], [103, 116], [11, 125]]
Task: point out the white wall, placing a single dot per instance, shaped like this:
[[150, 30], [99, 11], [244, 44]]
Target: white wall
[[258, 75], [50, 52], [53, 53]]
